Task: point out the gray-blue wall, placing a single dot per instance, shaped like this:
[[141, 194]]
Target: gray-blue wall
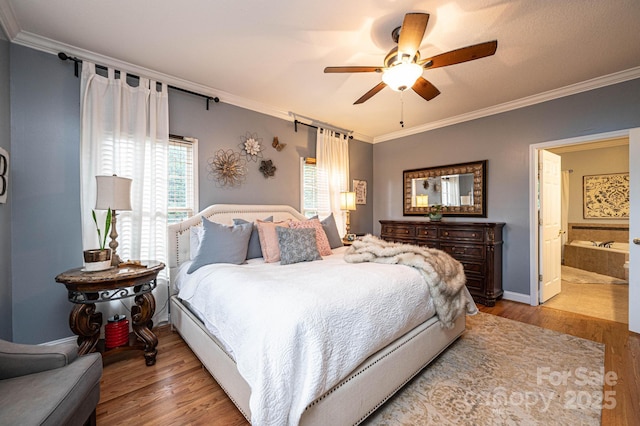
[[45, 226], [45, 234], [503, 140], [5, 209], [224, 125]]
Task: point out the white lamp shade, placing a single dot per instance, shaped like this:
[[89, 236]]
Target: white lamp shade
[[347, 201], [402, 76], [113, 192]]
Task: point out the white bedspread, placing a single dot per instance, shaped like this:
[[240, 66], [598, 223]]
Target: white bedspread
[[297, 330]]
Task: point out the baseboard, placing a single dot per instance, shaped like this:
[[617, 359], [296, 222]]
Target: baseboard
[[70, 339], [517, 297]]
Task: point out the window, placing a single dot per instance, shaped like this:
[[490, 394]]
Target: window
[[183, 185], [315, 190]]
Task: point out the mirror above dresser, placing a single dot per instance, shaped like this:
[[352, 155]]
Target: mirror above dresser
[[459, 188]]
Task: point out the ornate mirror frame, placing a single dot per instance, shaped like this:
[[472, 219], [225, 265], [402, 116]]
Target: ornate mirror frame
[[478, 202]]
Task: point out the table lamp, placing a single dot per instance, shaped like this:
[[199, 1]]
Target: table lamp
[[347, 203], [113, 193]]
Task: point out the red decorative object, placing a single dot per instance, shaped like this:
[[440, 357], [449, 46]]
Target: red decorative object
[[116, 332]]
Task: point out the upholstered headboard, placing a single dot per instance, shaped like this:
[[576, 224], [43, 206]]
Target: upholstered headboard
[[179, 233]]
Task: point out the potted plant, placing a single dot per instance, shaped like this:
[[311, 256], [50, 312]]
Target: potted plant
[[99, 259], [435, 212]]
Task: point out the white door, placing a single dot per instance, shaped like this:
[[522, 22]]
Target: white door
[[550, 225], [634, 230]]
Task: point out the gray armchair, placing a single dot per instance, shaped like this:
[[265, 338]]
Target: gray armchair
[[48, 385]]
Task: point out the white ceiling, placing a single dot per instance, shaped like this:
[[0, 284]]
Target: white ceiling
[[269, 56]]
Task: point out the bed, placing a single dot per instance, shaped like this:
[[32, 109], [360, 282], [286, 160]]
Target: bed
[[348, 397]]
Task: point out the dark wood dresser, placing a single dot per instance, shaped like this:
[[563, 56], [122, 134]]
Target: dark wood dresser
[[478, 246]]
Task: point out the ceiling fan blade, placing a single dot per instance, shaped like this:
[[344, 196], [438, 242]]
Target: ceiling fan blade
[[463, 54], [425, 89], [411, 33], [371, 92], [352, 69]]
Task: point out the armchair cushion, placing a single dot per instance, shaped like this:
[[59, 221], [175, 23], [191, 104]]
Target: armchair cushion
[[18, 360], [55, 387]]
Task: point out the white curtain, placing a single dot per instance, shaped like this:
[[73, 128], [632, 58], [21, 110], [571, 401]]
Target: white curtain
[[564, 209], [125, 131], [332, 161]]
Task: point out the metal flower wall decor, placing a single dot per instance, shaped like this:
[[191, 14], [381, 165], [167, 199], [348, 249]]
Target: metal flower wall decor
[[251, 147], [267, 168], [227, 168]]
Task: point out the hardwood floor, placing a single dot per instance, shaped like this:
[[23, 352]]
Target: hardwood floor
[[179, 391]]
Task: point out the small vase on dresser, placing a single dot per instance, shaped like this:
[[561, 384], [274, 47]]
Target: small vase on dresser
[[477, 245]]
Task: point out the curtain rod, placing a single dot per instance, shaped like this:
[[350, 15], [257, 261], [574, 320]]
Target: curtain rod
[[296, 122], [63, 56], [322, 124]]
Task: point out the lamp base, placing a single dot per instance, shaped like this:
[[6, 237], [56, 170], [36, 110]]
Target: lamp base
[[115, 259]]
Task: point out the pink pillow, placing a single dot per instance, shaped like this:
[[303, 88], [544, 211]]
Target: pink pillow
[[321, 237], [269, 239]]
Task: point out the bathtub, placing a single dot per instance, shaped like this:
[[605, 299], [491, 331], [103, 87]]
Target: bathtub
[[602, 260]]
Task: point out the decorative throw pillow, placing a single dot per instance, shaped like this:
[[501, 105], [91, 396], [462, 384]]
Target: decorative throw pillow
[[269, 239], [222, 244], [254, 250], [331, 229], [321, 237], [297, 245]]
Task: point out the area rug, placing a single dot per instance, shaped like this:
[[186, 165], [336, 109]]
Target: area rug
[[503, 372], [580, 276]]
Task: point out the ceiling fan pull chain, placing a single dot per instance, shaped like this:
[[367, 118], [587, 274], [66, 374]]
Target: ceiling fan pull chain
[[401, 111]]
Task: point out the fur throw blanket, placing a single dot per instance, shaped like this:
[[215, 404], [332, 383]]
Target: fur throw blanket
[[443, 274]]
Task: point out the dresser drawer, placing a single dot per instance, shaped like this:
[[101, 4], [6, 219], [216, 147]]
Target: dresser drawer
[[461, 251], [458, 234], [426, 232], [473, 267], [475, 282], [397, 231]]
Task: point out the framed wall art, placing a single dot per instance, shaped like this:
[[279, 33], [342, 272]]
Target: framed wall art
[[606, 196], [360, 188], [4, 175]]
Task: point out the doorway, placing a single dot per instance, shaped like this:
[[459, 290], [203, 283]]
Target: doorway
[[575, 145]]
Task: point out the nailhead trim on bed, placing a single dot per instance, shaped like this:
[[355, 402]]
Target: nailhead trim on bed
[[366, 368]]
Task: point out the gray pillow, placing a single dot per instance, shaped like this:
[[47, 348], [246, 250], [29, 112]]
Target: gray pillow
[[297, 245], [254, 249], [331, 229], [222, 244]]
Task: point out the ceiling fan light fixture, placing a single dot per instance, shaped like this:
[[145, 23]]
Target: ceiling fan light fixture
[[402, 76]]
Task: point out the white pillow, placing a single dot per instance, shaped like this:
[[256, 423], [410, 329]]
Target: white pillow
[[194, 241]]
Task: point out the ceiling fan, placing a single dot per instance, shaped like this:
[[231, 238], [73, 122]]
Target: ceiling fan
[[403, 66]]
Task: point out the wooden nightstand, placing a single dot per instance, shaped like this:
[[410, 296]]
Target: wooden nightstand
[[88, 288]]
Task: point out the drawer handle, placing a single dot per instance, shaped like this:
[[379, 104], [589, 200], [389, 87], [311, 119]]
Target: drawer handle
[[446, 233], [473, 235]]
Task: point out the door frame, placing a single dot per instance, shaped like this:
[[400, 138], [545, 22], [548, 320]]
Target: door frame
[[533, 200]]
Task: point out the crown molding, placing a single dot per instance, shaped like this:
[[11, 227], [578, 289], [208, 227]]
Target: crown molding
[[8, 20], [16, 35], [572, 89], [47, 45]]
